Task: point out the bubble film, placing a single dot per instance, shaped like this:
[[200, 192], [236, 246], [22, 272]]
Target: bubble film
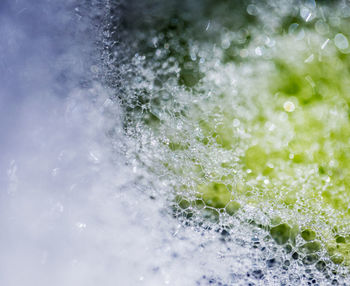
[[238, 114]]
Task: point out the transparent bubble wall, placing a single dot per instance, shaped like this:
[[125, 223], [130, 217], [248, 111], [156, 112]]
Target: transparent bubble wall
[[238, 114]]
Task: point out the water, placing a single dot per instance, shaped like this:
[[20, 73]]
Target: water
[[111, 173]]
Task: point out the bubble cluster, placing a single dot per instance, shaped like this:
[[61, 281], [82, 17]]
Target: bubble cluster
[[241, 111]]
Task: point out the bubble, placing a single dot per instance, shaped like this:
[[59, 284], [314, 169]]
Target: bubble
[[236, 122], [337, 258], [321, 266], [308, 234], [306, 14], [293, 28], [321, 27], [341, 41], [310, 259], [281, 233], [252, 10], [311, 247], [289, 106]]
